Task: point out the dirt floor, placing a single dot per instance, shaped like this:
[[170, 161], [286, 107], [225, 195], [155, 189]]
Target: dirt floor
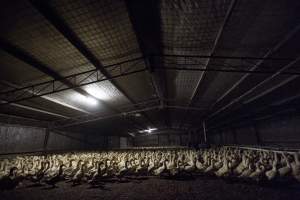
[[155, 188]]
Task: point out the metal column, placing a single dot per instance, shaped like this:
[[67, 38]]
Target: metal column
[[47, 133], [204, 132]]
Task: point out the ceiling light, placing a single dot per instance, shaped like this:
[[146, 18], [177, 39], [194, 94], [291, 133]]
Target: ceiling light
[[98, 93], [86, 99], [92, 101], [132, 134], [149, 130], [137, 114]]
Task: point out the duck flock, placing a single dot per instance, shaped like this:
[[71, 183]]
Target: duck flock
[[96, 167]]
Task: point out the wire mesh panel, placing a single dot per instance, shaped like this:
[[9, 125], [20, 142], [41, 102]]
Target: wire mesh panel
[[16, 71], [40, 39], [189, 27], [105, 29], [29, 31], [254, 28]]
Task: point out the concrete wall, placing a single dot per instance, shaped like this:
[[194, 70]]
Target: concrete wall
[[281, 131]]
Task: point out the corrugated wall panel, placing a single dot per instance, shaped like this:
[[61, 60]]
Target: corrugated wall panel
[[123, 143], [20, 139]]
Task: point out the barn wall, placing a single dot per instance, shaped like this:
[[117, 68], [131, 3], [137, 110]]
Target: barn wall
[[161, 140], [245, 135], [66, 141], [97, 141], [284, 131], [281, 131], [16, 138]]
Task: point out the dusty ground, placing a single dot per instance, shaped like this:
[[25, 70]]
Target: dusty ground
[[155, 188]]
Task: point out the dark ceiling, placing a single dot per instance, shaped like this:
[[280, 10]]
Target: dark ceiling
[[163, 64]]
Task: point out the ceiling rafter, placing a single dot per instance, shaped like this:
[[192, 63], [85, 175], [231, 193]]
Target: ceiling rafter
[[280, 71], [146, 23], [52, 16], [80, 79], [259, 62], [212, 52], [26, 58], [30, 107]]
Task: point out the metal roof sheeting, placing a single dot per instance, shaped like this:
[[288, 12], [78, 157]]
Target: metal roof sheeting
[[108, 35]]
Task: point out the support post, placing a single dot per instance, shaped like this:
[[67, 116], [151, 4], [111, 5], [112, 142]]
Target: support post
[[257, 135], [204, 132], [47, 132], [234, 135], [222, 141], [180, 140]]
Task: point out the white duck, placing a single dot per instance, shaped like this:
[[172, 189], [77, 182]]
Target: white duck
[[271, 174], [286, 169], [161, 169], [296, 167]]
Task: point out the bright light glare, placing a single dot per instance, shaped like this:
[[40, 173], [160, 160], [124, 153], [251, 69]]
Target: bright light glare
[[132, 134], [149, 130], [98, 93], [91, 101], [87, 100]]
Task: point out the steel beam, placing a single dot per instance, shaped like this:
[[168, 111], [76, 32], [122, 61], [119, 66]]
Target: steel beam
[[23, 56], [88, 118], [283, 101], [264, 112], [239, 71], [145, 20], [271, 89], [49, 87], [260, 61], [260, 84], [37, 110], [186, 108], [129, 110], [220, 57], [97, 118], [52, 16], [32, 108], [219, 34]]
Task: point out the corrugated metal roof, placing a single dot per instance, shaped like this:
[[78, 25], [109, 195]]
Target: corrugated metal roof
[[189, 28], [186, 27]]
